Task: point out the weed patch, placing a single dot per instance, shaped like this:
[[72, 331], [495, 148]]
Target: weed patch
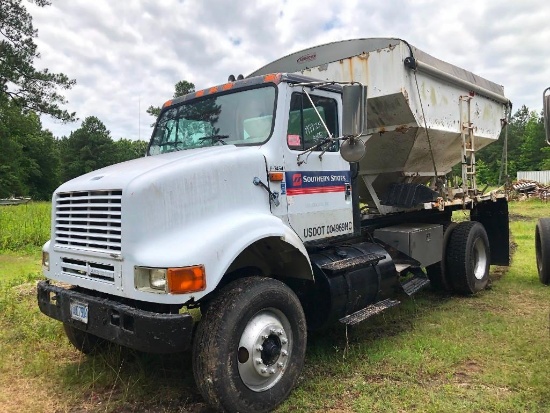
[[24, 227]]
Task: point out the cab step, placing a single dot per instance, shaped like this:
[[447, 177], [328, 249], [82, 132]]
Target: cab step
[[414, 284], [351, 264], [369, 311]]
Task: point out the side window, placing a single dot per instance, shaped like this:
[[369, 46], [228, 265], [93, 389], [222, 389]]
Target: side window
[[305, 128]]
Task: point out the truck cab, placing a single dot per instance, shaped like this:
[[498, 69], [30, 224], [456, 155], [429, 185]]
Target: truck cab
[[295, 132], [224, 169]]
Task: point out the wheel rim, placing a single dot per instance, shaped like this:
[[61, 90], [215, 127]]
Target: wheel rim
[[480, 259], [264, 349]]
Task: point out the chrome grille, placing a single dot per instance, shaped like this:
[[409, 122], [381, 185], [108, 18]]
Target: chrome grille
[[89, 219]]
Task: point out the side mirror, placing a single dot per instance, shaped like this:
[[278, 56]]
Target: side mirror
[[546, 110], [354, 106], [353, 149]]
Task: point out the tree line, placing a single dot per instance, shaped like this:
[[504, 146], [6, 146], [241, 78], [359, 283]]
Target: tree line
[[526, 149], [33, 162]]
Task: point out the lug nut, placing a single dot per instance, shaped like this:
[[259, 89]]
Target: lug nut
[[259, 348], [284, 353], [272, 371], [284, 340], [264, 370], [265, 337], [280, 365], [279, 332], [272, 330], [259, 361]]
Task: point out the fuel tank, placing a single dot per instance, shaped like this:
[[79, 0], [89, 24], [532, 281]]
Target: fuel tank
[[347, 279]]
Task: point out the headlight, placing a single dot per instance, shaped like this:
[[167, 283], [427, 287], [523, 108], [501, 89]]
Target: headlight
[[157, 279], [150, 279], [170, 280]]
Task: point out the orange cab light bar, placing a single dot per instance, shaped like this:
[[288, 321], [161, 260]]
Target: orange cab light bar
[[273, 77], [167, 103], [270, 78]]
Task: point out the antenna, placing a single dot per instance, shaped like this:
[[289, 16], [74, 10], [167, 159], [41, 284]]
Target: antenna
[[139, 117]]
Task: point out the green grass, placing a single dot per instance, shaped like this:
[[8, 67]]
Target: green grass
[[433, 353], [18, 268]]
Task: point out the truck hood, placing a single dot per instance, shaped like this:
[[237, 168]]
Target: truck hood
[[172, 195], [119, 176]]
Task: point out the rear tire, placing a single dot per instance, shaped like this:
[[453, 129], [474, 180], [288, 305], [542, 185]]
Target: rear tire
[[542, 249], [83, 341], [437, 273], [468, 258], [250, 345]]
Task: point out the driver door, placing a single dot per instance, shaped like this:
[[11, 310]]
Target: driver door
[[318, 182]]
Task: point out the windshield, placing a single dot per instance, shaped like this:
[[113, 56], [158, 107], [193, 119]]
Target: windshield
[[243, 117]]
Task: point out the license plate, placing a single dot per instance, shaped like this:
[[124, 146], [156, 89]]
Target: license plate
[[79, 311]]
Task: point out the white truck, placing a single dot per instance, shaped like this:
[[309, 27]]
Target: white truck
[[310, 192]]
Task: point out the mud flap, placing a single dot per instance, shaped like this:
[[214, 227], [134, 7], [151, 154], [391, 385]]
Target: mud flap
[[494, 217]]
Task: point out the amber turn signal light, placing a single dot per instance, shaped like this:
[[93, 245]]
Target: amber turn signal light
[[186, 279], [273, 77], [275, 176]]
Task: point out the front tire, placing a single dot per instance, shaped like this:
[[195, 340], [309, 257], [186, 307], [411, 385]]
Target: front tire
[[249, 347], [542, 248], [83, 341], [468, 258]]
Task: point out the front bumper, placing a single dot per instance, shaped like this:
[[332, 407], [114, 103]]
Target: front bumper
[[119, 323]]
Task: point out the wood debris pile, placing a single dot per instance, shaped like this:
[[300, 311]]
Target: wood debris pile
[[531, 189]]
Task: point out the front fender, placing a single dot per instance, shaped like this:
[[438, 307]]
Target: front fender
[[215, 244]]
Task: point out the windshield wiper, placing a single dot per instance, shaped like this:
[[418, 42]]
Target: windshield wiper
[[215, 138]]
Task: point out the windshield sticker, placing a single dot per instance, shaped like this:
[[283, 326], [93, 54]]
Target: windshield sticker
[[294, 140], [315, 182]]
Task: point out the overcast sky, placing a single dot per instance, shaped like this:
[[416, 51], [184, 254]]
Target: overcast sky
[[127, 55]]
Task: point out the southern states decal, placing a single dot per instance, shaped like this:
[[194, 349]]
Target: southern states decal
[[315, 182]]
